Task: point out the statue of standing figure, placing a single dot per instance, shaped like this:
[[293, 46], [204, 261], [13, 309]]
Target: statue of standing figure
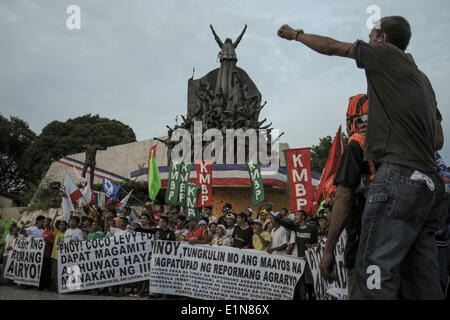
[[89, 160], [228, 61]]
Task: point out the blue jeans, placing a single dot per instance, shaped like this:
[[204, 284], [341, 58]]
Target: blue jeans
[[399, 223]]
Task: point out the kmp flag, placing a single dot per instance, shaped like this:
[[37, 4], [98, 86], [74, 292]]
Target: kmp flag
[[71, 189], [111, 190], [173, 183], [122, 204], [154, 180], [184, 181], [254, 172], [192, 191], [300, 186], [204, 181]]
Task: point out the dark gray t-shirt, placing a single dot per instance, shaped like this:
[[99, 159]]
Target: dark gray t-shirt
[[402, 107]]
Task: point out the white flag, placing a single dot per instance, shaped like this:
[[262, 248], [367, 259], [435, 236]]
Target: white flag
[[87, 194], [71, 189], [67, 207], [83, 181], [122, 204]]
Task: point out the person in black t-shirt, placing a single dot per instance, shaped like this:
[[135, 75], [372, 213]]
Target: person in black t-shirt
[[243, 233], [162, 232]]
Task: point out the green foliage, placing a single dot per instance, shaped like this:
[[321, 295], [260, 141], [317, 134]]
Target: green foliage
[[15, 138], [319, 153], [59, 139], [47, 195]]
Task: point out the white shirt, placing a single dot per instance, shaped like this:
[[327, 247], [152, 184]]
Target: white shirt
[[278, 237], [120, 232], [73, 234], [34, 232], [230, 233], [293, 240]]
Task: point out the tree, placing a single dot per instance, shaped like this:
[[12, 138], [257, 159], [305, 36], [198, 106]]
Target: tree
[[59, 139], [319, 153], [15, 138]]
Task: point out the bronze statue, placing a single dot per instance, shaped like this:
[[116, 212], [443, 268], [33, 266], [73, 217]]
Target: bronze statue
[[89, 160], [228, 61]]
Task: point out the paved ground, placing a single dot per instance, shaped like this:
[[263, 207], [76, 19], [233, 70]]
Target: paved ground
[[20, 293]]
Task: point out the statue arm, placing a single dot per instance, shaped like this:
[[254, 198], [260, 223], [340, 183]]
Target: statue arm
[[160, 140], [235, 44], [219, 42]]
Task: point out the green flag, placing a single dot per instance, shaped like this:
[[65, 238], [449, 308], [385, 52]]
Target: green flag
[[257, 185], [154, 180], [173, 183], [184, 181], [191, 200]]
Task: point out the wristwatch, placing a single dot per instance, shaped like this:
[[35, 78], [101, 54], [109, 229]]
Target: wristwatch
[[299, 31]]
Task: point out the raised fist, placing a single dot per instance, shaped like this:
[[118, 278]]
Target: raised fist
[[286, 32]]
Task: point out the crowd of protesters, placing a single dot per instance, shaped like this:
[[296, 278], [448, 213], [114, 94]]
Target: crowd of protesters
[[390, 191], [278, 232]]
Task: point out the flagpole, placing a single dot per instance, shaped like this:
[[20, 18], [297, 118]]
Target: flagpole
[[140, 201]]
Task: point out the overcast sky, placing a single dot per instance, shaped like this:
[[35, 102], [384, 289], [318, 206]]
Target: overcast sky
[[131, 60]]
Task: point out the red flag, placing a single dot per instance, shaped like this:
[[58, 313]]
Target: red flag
[[70, 189], [298, 163], [334, 158], [122, 204], [204, 181]]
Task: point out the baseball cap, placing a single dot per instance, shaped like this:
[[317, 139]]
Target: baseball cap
[[258, 221], [230, 215], [202, 222]]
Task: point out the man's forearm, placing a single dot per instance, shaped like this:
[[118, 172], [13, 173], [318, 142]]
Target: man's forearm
[[320, 44], [341, 212], [282, 247]]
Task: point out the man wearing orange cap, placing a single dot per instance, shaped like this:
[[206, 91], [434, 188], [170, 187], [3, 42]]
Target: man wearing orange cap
[[348, 203]]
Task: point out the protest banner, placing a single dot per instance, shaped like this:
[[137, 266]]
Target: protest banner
[[254, 172], [204, 181], [184, 181], [111, 261], [24, 263], [218, 272], [298, 163], [329, 290], [173, 183], [192, 192]]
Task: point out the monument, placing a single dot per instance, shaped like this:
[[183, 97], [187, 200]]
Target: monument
[[225, 98]]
